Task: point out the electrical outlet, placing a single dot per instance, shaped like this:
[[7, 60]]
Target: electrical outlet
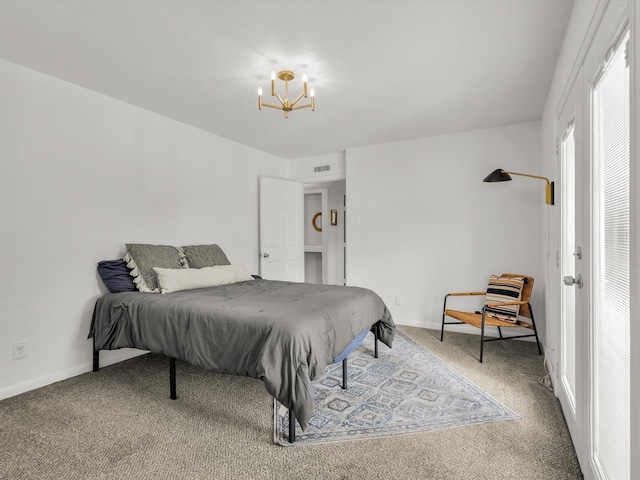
[[19, 350], [398, 299]]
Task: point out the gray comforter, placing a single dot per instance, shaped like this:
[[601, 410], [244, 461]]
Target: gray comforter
[[280, 332]]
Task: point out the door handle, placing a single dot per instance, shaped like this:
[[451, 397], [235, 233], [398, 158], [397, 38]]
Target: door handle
[[265, 255], [570, 281]]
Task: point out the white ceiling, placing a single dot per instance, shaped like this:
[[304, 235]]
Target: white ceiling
[[383, 71]]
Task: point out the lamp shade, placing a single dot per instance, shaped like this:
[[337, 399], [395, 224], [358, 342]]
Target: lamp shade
[[498, 175]]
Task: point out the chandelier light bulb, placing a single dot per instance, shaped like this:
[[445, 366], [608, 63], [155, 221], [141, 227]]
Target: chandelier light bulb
[[273, 75], [260, 91]]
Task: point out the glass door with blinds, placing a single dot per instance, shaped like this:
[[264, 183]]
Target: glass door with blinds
[[610, 262]]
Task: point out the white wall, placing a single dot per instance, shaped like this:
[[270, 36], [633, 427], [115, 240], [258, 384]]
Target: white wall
[[81, 175], [429, 225]]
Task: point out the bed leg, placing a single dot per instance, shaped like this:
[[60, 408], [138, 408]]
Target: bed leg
[[96, 360], [344, 373], [292, 426], [96, 357], [172, 379], [375, 348]]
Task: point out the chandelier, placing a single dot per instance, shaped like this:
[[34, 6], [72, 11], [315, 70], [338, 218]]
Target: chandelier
[[285, 105]]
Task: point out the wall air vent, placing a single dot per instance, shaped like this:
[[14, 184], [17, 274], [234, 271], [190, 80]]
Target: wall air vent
[[322, 168]]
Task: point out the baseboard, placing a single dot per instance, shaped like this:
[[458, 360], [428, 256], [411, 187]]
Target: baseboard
[[413, 323], [106, 358]]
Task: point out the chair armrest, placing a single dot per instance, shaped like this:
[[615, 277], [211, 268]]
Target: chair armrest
[[460, 294]]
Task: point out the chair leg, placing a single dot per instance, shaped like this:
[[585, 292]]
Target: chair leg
[[482, 337], [444, 307], [535, 330]]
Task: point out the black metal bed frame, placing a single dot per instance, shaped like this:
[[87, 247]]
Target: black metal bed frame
[[172, 381]]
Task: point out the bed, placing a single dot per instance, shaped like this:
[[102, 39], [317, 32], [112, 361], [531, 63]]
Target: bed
[[282, 333]]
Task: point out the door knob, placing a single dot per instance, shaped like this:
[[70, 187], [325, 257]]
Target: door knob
[[570, 281]]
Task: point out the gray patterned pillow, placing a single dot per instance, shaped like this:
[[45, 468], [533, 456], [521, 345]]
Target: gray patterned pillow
[[200, 256], [141, 258]]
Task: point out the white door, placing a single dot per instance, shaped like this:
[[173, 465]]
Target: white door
[[573, 203], [281, 230]]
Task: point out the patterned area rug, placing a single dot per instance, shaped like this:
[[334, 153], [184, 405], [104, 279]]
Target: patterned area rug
[[406, 390]]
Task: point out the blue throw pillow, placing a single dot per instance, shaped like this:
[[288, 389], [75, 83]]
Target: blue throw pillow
[[115, 275]]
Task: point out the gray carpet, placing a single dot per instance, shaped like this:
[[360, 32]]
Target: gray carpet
[[120, 423]]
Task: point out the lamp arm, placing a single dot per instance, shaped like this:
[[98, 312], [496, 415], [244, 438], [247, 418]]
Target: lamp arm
[[277, 107], [549, 193], [527, 175], [301, 106], [279, 98], [297, 99]]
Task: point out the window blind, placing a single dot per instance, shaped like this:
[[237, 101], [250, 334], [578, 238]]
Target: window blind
[[611, 264]]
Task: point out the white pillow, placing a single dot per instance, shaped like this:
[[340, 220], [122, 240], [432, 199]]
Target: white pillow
[[175, 279]]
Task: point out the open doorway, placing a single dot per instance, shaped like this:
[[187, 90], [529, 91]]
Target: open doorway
[[324, 232]]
